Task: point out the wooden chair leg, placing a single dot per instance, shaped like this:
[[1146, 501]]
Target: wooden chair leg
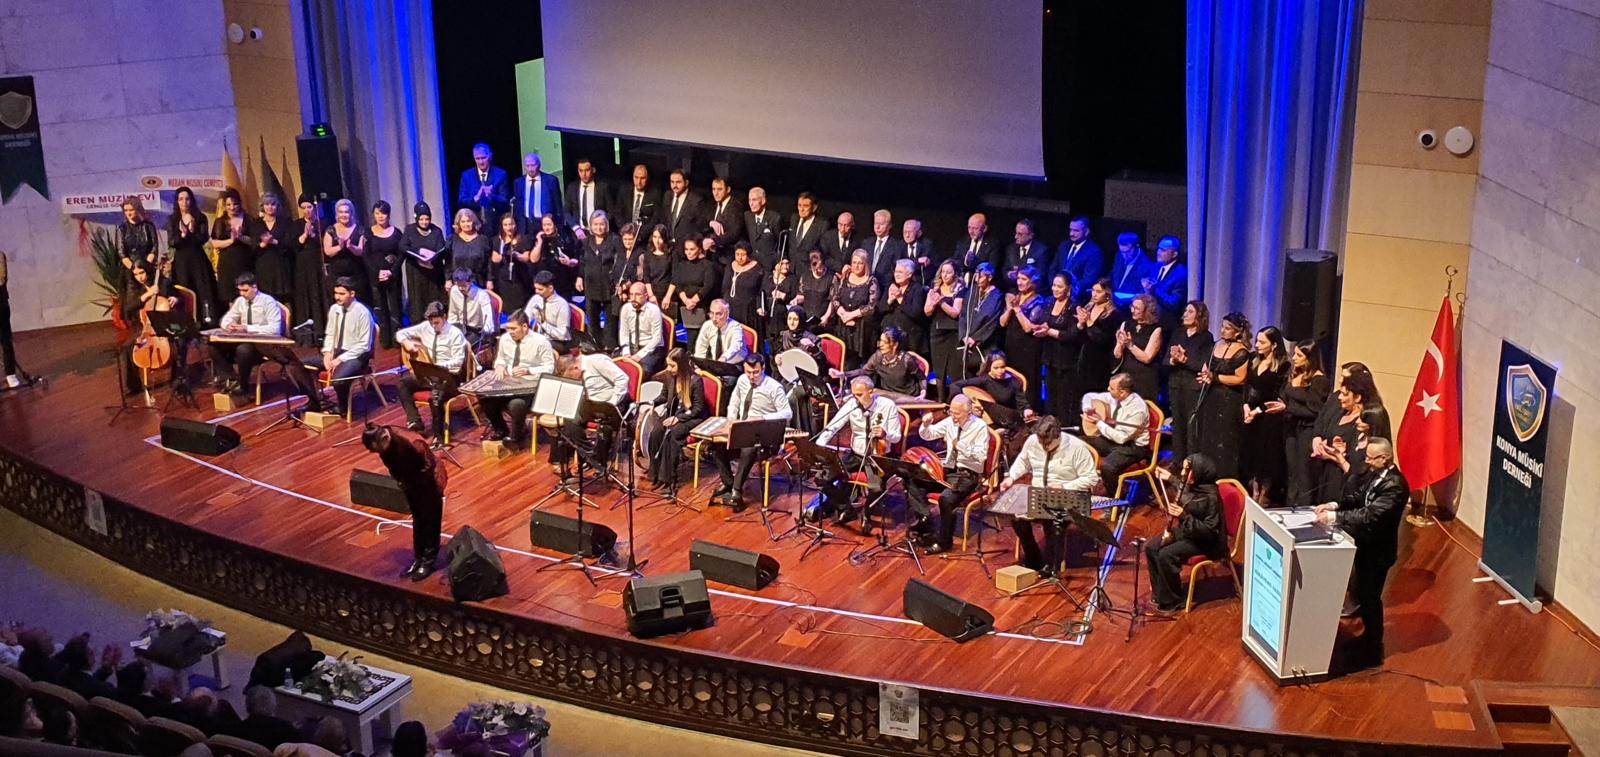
[[697, 449], [447, 424]]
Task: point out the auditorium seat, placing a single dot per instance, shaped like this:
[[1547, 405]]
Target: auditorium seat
[[161, 737], [13, 683], [48, 696], [13, 747], [232, 746], [112, 725]]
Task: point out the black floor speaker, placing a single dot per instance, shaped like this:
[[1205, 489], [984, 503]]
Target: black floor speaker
[[1310, 296], [734, 567], [198, 437], [378, 490], [949, 615], [561, 534], [668, 603], [475, 570]]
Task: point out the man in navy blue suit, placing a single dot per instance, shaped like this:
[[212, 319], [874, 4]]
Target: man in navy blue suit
[[1081, 259], [1130, 269], [534, 194], [484, 188], [1168, 280]]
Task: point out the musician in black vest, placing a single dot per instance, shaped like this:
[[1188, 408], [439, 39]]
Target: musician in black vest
[[1370, 512], [1199, 530], [422, 479]]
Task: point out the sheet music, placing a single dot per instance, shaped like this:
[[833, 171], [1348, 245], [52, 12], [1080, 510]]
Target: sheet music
[[557, 396]]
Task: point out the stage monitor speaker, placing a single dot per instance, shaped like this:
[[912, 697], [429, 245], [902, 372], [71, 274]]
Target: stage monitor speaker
[[320, 176], [951, 616], [731, 566], [668, 603], [474, 567], [378, 490], [560, 533], [198, 437], [1310, 295]]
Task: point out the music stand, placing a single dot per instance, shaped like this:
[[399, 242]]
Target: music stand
[[906, 472], [1055, 506], [563, 398], [816, 387], [1002, 416], [1103, 535], [284, 357], [177, 326], [766, 437], [718, 368], [825, 460]]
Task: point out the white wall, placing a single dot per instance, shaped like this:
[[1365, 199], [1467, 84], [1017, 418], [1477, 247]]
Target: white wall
[[1535, 270], [124, 88]]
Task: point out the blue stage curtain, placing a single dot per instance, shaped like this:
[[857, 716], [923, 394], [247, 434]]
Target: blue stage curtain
[[1271, 100]]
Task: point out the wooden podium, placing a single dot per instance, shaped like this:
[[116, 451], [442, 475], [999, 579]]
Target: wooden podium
[[1295, 576]]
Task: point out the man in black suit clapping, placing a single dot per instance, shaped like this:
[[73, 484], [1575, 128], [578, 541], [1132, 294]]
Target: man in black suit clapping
[[585, 196], [484, 188], [726, 224], [681, 210], [1373, 505], [839, 243]]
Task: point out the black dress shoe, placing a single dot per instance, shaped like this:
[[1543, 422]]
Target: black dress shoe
[[425, 567], [414, 426], [739, 504], [936, 549], [411, 571]]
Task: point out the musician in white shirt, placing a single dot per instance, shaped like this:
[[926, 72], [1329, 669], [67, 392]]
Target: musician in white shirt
[[966, 442], [347, 345], [755, 395], [470, 307], [1052, 459], [447, 348], [721, 338], [1120, 419], [256, 313], [640, 329], [603, 382], [549, 312], [871, 417], [521, 353]]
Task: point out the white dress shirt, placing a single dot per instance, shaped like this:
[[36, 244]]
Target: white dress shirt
[[733, 351], [447, 346], [472, 309], [1071, 466], [533, 352], [966, 446], [349, 332], [261, 316], [881, 413], [639, 329], [767, 400], [603, 381], [552, 315], [1132, 414]]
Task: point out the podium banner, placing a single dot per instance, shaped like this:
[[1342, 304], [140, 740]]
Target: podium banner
[[1516, 468]]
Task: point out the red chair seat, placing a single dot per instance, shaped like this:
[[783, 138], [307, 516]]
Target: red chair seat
[[423, 396]]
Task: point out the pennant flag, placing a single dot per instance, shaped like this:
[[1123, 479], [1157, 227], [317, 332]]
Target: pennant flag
[[270, 183], [1429, 449], [249, 187], [290, 196]]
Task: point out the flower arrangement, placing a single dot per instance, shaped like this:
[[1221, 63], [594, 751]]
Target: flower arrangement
[[157, 622], [510, 727], [338, 678]]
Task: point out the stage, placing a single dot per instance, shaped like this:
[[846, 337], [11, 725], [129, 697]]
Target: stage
[[270, 529]]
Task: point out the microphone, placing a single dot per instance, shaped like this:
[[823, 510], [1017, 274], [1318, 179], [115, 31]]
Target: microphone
[[306, 325]]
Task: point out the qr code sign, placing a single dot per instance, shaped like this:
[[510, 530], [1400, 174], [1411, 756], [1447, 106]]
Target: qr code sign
[[898, 711]]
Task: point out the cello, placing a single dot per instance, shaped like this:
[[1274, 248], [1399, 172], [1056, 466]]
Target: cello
[[152, 351]]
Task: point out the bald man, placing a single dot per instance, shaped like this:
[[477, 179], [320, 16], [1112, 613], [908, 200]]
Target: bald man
[[839, 243], [976, 247], [762, 228], [966, 442]]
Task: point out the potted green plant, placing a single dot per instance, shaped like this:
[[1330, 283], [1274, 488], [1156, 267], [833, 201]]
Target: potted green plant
[[108, 264]]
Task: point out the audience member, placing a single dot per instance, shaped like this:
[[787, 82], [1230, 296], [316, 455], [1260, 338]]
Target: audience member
[[37, 660], [136, 690], [10, 646], [203, 710], [330, 735], [77, 670], [60, 726], [261, 723], [411, 740]]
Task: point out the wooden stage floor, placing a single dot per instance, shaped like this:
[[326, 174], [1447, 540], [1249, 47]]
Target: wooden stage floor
[[287, 492]]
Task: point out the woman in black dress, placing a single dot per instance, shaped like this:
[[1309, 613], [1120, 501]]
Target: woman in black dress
[[345, 245], [850, 316], [1025, 311], [795, 336], [136, 246], [902, 306], [275, 249], [424, 279], [233, 236], [467, 247], [1060, 359], [1220, 419], [694, 285], [509, 267], [1191, 348], [383, 267], [1336, 434], [1304, 395], [1261, 462], [997, 382], [187, 233], [681, 408], [1139, 341], [655, 267], [943, 306], [311, 289], [1093, 335], [777, 292], [890, 368], [815, 291], [741, 287]]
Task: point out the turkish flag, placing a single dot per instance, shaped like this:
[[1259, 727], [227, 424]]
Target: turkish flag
[[1429, 449]]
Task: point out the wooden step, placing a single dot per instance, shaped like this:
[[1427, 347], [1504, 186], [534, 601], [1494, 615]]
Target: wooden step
[[1534, 739]]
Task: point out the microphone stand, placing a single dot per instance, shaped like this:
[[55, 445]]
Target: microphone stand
[[634, 567]]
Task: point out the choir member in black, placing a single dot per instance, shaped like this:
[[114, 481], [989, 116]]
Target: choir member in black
[[1025, 311], [422, 479], [851, 315], [1336, 433], [424, 272], [1093, 335], [233, 236], [486, 188], [1024, 251], [1261, 461], [890, 368], [1060, 357], [1303, 397], [1081, 259], [694, 286], [977, 247], [136, 238], [979, 326], [631, 248], [942, 306], [467, 247], [344, 244], [601, 266], [1370, 510], [312, 291], [1198, 531], [1219, 421], [815, 290], [1139, 341], [383, 266], [903, 306], [556, 250], [1190, 347], [275, 250], [795, 336], [998, 383], [187, 233], [681, 408], [510, 273], [1130, 267], [763, 228], [742, 286], [655, 268], [778, 289]]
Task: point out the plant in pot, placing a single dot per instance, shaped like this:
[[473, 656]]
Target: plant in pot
[[108, 266]]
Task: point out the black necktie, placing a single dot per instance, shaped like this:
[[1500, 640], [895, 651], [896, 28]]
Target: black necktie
[[248, 306], [636, 345], [516, 354], [718, 354], [584, 205], [638, 199], [338, 344], [750, 395], [677, 205]]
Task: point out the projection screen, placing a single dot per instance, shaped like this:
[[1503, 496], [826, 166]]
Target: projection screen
[[944, 84]]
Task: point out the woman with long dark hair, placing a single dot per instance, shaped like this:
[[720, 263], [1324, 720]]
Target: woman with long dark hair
[[312, 288], [681, 407], [1303, 397], [510, 274], [1139, 345], [777, 291], [422, 242], [655, 267], [1336, 434], [1220, 418], [1189, 351], [187, 232], [1093, 335], [943, 304], [1261, 462], [234, 236], [383, 264], [275, 249]]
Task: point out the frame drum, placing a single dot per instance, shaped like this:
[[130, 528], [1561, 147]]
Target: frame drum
[[791, 361]]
